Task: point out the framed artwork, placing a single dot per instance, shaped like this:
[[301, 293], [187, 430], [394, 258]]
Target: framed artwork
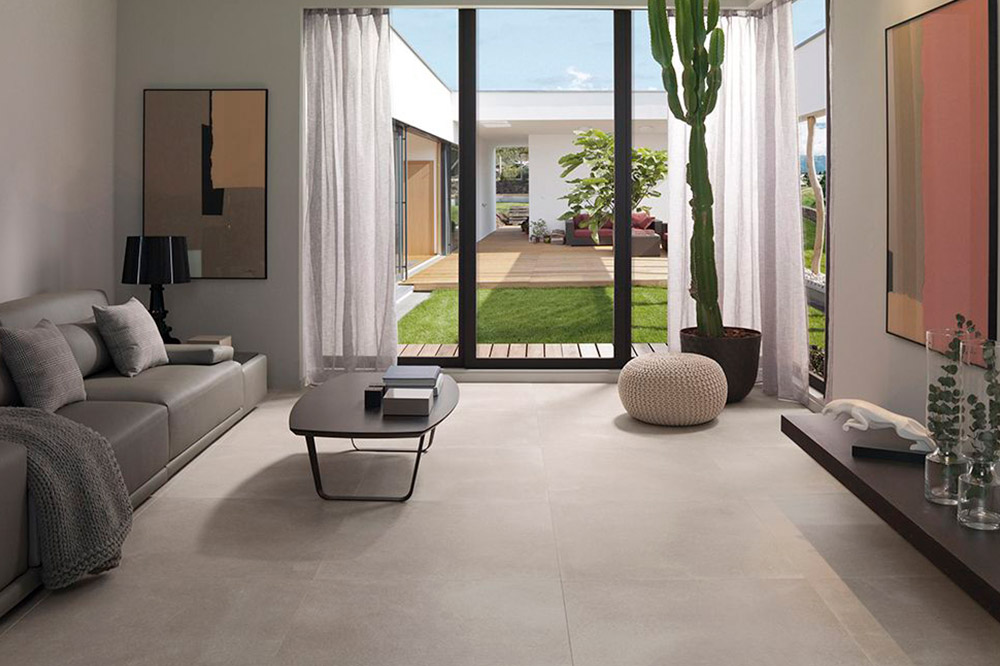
[[941, 122], [205, 177]]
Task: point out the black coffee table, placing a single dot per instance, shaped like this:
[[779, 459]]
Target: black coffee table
[[337, 409]]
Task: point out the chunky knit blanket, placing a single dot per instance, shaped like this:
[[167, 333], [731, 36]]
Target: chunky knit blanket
[[82, 506]]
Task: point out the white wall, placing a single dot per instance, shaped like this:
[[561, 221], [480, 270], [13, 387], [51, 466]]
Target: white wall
[[865, 361], [224, 43], [419, 98], [57, 74], [810, 75]]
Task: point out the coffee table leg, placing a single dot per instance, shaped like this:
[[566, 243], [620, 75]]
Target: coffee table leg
[[318, 479]]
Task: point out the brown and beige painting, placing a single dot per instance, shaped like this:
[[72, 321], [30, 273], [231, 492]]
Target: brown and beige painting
[[939, 81], [205, 177]]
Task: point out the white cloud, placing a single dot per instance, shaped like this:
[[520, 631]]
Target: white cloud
[[579, 80]]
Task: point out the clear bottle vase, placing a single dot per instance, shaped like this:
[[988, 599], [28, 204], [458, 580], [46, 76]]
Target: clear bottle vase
[[979, 496], [943, 468], [979, 488], [944, 465]]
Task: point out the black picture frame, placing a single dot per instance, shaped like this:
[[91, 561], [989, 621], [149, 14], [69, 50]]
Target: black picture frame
[[994, 108], [267, 150]]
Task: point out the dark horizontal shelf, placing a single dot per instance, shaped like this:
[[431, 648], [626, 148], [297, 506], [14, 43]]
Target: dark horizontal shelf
[[895, 491]]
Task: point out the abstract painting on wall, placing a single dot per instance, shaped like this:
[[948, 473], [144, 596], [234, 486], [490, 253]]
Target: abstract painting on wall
[[941, 117], [205, 177]]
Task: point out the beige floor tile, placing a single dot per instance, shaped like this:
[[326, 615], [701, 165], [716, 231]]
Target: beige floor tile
[[704, 623], [481, 623], [661, 540], [934, 621], [443, 540], [194, 619]]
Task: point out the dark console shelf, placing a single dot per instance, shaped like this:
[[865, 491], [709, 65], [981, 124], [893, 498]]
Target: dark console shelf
[[895, 491]]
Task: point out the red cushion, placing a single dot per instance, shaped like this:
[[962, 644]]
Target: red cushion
[[609, 223], [581, 233], [642, 220]]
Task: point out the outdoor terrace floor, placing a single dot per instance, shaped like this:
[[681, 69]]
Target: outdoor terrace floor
[[505, 258], [572, 350]]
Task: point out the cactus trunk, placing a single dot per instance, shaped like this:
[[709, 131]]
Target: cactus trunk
[[701, 78], [704, 279]]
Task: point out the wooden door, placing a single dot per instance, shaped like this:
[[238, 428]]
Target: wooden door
[[420, 219]]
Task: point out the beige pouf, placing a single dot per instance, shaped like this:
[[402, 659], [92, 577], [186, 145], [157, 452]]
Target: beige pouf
[[673, 389]]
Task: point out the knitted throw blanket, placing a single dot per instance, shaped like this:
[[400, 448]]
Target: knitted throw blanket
[[81, 503]]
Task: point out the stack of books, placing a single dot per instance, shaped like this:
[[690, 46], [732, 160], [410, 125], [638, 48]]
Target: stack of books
[[410, 389]]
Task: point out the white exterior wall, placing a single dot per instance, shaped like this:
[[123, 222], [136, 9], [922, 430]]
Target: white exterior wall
[[810, 75], [419, 98]]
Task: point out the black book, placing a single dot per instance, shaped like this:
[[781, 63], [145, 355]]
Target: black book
[[896, 452]]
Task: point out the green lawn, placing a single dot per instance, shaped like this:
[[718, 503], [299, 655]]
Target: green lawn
[[560, 315]]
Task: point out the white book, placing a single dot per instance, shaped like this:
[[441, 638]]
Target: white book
[[407, 402]]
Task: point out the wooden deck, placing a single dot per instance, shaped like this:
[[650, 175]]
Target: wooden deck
[[505, 258], [572, 350]]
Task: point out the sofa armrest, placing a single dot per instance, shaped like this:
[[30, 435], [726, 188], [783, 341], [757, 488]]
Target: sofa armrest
[[198, 354], [13, 512]]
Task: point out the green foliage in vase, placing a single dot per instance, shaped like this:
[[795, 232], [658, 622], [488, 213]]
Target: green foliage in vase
[[701, 50], [944, 397], [594, 194], [984, 417]]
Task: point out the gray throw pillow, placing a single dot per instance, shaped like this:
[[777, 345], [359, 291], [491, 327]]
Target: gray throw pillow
[[88, 347], [131, 337], [42, 366]]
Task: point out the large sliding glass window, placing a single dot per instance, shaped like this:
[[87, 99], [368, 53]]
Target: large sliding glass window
[[809, 23], [424, 89], [545, 163]]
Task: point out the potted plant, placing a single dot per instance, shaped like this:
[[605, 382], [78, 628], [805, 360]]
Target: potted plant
[[591, 198], [538, 230], [701, 47]]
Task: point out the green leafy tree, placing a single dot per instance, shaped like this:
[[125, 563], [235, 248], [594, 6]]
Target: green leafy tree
[[701, 50], [512, 163], [594, 193]]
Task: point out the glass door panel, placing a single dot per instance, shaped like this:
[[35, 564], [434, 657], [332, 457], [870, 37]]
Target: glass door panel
[[545, 185]]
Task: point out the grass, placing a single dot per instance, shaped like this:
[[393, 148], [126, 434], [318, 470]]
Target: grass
[[567, 314], [559, 315]]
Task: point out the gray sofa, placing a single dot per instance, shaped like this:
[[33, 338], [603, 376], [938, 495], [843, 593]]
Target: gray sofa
[[156, 422]]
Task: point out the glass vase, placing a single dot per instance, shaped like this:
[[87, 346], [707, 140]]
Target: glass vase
[[944, 465], [979, 488]]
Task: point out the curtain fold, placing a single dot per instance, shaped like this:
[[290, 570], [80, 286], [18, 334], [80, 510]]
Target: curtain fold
[[348, 238], [784, 322], [753, 164]]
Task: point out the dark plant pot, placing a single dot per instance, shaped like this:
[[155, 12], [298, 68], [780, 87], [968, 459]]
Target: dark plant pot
[[738, 353]]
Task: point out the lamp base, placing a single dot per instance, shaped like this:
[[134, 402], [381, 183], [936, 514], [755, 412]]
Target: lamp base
[[159, 313]]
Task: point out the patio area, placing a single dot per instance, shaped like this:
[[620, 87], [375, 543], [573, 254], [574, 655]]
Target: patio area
[[505, 258]]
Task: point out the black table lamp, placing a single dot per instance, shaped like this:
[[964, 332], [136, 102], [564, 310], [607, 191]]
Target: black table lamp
[[156, 261]]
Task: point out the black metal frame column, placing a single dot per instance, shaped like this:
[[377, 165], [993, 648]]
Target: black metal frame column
[[467, 204], [623, 186]]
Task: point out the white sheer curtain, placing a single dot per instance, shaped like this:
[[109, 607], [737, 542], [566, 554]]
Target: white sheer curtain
[[753, 160], [348, 242]]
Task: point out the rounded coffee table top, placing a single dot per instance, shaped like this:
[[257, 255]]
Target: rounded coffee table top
[[336, 408]]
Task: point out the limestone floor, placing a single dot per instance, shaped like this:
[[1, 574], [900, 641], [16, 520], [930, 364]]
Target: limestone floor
[[547, 528]]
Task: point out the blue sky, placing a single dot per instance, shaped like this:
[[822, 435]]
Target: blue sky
[[537, 49]]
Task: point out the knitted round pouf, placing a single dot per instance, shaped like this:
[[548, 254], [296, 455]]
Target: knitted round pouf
[[673, 389]]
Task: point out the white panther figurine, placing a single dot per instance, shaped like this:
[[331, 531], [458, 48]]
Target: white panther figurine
[[865, 415]]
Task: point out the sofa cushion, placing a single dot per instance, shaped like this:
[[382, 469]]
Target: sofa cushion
[[197, 397], [13, 512], [131, 335], [642, 220], [88, 348], [137, 432], [199, 354], [42, 366]]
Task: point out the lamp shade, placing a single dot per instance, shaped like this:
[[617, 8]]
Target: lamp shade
[[156, 260]]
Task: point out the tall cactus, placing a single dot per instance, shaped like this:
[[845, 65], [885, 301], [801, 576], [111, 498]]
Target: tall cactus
[[701, 48]]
